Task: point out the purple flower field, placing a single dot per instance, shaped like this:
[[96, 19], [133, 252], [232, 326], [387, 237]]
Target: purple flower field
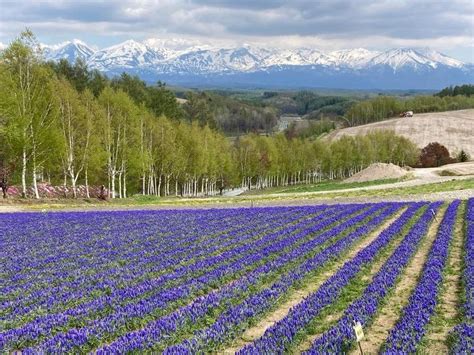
[[193, 281]]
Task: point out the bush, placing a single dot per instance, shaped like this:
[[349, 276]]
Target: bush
[[463, 157], [434, 155]]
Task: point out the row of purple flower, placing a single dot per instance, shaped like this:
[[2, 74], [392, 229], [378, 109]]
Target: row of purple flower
[[122, 266], [229, 323], [162, 297], [144, 280], [147, 246], [463, 334], [278, 337]]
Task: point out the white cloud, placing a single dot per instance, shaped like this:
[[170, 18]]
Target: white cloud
[[443, 25]]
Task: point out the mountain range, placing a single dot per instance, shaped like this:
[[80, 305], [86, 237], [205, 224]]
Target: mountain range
[[182, 62]]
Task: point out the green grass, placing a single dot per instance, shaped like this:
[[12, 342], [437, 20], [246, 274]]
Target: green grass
[[322, 186], [244, 200], [451, 185]]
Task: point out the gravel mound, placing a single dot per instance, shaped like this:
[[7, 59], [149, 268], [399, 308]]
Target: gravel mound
[[460, 169], [378, 171]]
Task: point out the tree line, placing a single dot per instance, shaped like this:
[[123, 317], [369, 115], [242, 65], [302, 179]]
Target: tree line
[[278, 161], [383, 107], [69, 129], [466, 90]]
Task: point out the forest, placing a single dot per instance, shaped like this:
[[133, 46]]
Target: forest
[[65, 125]]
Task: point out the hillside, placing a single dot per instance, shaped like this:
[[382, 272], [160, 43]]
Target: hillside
[[453, 129]]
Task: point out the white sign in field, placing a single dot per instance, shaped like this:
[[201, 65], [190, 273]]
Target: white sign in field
[[359, 332]]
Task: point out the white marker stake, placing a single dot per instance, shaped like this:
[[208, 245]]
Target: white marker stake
[[359, 333], [434, 215]]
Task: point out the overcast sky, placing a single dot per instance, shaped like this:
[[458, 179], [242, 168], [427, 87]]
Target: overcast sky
[[444, 25]]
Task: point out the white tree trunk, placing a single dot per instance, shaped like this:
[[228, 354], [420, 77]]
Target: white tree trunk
[[120, 184], [86, 182], [125, 184], [23, 174], [158, 190], [35, 185], [112, 187]]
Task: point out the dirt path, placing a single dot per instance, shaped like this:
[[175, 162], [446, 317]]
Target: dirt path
[[447, 309], [390, 312], [10, 209], [257, 331]]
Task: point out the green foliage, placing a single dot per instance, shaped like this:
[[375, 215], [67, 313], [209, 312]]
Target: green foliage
[[198, 109], [158, 99], [78, 74], [308, 102], [462, 156], [229, 115], [314, 129], [299, 160], [27, 105], [466, 90]]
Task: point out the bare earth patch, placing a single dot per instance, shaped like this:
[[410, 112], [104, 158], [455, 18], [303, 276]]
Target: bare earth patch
[[259, 329], [9, 209], [459, 169], [453, 129], [378, 171], [389, 313]]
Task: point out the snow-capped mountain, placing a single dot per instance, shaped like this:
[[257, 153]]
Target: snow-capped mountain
[[181, 61], [303, 56], [219, 60], [440, 58], [70, 51], [403, 58], [127, 55], [353, 58]]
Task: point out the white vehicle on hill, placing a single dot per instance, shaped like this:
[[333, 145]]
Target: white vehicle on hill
[[407, 114]]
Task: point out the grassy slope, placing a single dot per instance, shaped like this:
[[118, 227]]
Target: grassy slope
[[322, 186]]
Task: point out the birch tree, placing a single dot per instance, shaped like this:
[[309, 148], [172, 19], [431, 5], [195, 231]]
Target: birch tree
[[120, 130], [77, 118], [30, 113]]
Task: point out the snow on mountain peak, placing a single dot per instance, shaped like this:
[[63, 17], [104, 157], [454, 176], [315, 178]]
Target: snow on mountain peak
[[403, 57], [355, 58], [440, 58], [69, 50], [78, 42], [175, 55], [128, 54]]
